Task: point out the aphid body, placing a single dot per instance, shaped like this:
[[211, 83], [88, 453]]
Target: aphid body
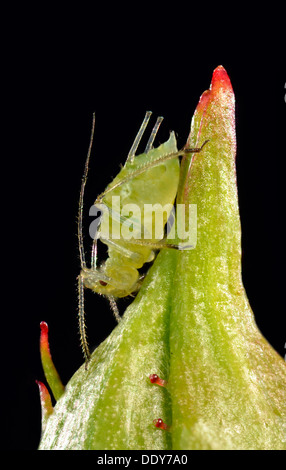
[[119, 275], [145, 180]]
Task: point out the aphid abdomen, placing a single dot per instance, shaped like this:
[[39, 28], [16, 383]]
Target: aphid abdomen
[[156, 186]]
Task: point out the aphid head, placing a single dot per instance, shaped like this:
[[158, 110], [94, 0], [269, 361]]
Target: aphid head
[[96, 281], [114, 281]]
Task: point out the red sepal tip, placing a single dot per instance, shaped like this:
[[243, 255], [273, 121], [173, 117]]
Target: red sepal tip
[[45, 398], [50, 371], [44, 339]]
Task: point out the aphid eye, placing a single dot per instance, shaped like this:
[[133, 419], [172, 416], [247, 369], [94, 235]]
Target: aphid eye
[[102, 283]]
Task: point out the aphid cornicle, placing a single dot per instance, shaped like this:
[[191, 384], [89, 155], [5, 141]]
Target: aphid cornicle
[[147, 179]]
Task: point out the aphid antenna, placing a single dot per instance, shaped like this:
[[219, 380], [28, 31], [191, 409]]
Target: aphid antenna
[[132, 151], [81, 314], [81, 318], [81, 198]]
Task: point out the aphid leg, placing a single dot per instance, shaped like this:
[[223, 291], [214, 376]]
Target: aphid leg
[[195, 149], [82, 328], [121, 249], [94, 254], [114, 308], [160, 245], [155, 129], [132, 151]]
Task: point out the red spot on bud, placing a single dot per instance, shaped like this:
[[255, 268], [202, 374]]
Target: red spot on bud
[[102, 283], [155, 379], [159, 423]]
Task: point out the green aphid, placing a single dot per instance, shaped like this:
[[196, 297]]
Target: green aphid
[[145, 180]]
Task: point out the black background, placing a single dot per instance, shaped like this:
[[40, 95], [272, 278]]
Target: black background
[[61, 67]]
